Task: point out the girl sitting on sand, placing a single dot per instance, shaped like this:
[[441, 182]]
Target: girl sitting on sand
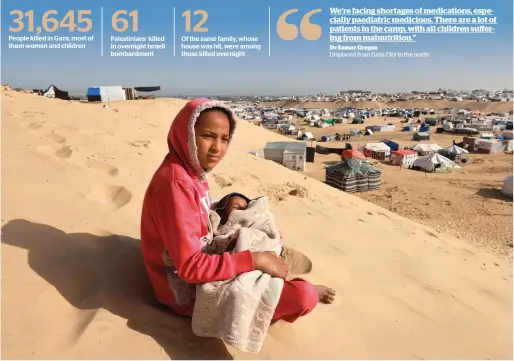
[[174, 220]]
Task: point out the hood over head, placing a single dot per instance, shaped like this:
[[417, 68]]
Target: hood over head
[[181, 137]]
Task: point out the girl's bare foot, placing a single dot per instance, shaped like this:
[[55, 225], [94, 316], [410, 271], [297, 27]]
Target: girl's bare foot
[[326, 294]]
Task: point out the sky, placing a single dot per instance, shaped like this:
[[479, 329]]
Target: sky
[[295, 67]]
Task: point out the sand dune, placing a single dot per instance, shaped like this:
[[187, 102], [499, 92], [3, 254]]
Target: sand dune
[[485, 107], [74, 284]]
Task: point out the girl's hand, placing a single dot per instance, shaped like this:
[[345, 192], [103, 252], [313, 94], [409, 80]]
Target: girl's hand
[[268, 262]]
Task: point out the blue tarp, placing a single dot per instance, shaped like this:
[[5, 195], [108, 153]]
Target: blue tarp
[[394, 146], [93, 92], [424, 128]]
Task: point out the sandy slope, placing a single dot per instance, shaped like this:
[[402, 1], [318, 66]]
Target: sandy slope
[[74, 285], [436, 104]]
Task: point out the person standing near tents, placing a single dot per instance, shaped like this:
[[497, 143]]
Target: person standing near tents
[[174, 220]]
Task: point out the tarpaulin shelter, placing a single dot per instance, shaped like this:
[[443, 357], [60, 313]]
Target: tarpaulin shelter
[[353, 153], [106, 93], [353, 175], [146, 89], [53, 92], [392, 145]]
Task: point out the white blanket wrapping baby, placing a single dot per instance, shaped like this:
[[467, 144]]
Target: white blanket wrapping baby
[[239, 310]]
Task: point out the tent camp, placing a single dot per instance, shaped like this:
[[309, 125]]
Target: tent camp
[[53, 92], [105, 94], [507, 187], [434, 163]]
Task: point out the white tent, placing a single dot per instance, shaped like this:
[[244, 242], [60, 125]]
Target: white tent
[[507, 187], [435, 162], [456, 150], [377, 147], [426, 147]]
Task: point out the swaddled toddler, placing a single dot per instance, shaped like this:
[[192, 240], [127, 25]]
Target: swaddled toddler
[[296, 262]]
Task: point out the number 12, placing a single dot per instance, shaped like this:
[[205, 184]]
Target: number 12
[[198, 27]]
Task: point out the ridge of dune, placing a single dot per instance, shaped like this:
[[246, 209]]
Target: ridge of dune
[[431, 104], [74, 286]]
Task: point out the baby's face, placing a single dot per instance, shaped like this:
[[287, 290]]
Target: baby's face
[[234, 203]]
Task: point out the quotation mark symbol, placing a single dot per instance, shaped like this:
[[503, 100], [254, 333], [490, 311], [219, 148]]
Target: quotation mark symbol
[[309, 31]]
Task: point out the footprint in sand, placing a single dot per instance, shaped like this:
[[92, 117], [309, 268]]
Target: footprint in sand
[[33, 112], [222, 181], [114, 196], [56, 138], [139, 143], [56, 150], [36, 125], [102, 167]]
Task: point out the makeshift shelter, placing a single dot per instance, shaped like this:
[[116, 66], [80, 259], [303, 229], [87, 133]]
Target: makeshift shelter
[[376, 150], [404, 158], [472, 143], [290, 154], [426, 148], [326, 150], [454, 153], [352, 153], [146, 89], [411, 128], [105, 94], [434, 163], [327, 138], [486, 135], [307, 136], [353, 175], [392, 145], [425, 128], [421, 136], [130, 93], [488, 146], [53, 92], [387, 128], [507, 187]]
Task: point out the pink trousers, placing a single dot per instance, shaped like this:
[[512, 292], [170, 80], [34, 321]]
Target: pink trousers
[[298, 298]]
